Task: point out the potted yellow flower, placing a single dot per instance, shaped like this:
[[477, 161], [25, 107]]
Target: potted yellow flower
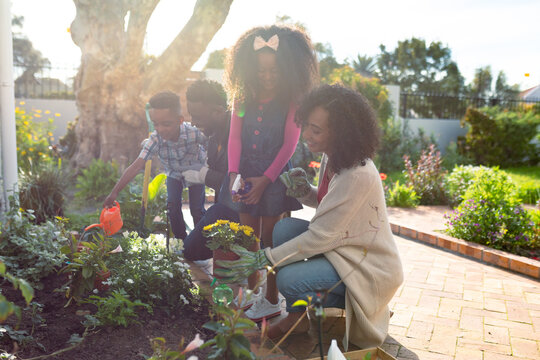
[[223, 233]]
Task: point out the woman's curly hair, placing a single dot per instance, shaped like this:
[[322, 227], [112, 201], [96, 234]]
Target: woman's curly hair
[[295, 58], [354, 131]]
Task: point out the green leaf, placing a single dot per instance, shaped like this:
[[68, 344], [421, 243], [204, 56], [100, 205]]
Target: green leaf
[[2, 268], [6, 308], [26, 290], [87, 272], [155, 184], [212, 325], [66, 250]]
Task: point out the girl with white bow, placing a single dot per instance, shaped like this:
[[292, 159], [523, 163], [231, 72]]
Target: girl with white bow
[[268, 70]]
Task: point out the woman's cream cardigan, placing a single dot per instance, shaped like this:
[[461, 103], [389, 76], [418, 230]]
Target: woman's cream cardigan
[[351, 229]]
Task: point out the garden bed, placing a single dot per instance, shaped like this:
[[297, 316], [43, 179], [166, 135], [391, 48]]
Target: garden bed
[[56, 324]]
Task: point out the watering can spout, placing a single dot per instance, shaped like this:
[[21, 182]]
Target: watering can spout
[[110, 220]]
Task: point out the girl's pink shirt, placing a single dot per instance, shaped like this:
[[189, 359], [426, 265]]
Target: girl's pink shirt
[[291, 135]]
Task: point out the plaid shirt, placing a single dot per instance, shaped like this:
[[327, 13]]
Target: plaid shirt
[[187, 153]]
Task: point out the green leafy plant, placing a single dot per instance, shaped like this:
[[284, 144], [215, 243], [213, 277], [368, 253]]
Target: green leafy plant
[[116, 309], [426, 177], [7, 307], [223, 233], [146, 271], [95, 182], [498, 137], [30, 251], [402, 196], [491, 214], [87, 261], [42, 189], [229, 341], [458, 181]]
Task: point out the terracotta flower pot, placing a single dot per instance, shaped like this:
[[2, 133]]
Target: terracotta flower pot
[[219, 254], [100, 277]]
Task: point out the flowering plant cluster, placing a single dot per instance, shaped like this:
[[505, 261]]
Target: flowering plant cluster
[[223, 233], [148, 273], [426, 177], [491, 214]]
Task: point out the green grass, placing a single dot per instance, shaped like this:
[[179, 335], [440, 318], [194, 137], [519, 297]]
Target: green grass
[[527, 179]]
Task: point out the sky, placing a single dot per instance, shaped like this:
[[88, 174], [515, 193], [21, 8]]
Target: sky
[[503, 34]]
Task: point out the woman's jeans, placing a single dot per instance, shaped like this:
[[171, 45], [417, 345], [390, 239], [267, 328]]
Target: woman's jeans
[[174, 205], [301, 279]]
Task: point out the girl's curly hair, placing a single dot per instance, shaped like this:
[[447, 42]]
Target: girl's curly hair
[[295, 58], [354, 131]]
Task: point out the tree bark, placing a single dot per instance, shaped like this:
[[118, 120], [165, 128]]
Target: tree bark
[[115, 79]]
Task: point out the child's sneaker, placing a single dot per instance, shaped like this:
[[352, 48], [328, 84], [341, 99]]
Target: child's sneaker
[[263, 309], [247, 303]]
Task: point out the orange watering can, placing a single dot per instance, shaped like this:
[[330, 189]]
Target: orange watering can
[[110, 220]]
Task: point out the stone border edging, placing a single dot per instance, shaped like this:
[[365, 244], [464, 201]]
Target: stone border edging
[[520, 264]]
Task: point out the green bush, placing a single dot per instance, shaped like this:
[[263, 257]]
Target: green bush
[[42, 189], [453, 157], [116, 309], [97, 180], [501, 137], [491, 214], [457, 182], [402, 196], [426, 177], [529, 192], [30, 251], [146, 271]]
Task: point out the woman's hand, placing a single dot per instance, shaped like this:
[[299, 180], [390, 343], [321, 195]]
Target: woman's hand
[[259, 184], [236, 271]]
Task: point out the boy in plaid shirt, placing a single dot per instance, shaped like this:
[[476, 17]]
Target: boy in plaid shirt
[[179, 147]]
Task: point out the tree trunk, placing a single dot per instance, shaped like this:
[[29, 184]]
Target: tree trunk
[[115, 79]]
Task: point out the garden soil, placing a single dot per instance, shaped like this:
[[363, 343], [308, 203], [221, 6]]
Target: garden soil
[[118, 343]]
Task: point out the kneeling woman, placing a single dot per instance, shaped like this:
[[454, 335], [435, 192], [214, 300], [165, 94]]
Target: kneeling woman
[[349, 241]]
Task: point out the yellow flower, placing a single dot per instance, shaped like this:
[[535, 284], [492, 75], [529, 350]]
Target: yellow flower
[[56, 114], [22, 103], [221, 222], [47, 111], [40, 153], [37, 115], [31, 149], [23, 152], [234, 226], [17, 109], [38, 111], [248, 230], [257, 239], [208, 227], [50, 133], [25, 122], [29, 136]]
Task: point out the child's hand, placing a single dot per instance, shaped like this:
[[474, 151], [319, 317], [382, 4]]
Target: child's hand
[[235, 197], [109, 201], [259, 184]]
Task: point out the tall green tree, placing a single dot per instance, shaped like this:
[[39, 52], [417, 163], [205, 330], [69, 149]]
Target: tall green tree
[[216, 59], [116, 79], [418, 67], [24, 53], [481, 83], [364, 65], [503, 90]]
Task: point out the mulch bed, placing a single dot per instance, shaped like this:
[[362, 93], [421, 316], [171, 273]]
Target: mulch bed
[[105, 343]]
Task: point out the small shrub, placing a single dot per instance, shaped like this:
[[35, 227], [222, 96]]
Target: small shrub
[[426, 177], [116, 309], [457, 182], [491, 214], [453, 157], [147, 272], [42, 189], [402, 196], [97, 180], [30, 251], [501, 137]]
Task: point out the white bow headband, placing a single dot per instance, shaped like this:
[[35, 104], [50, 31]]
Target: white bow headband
[[272, 43]]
